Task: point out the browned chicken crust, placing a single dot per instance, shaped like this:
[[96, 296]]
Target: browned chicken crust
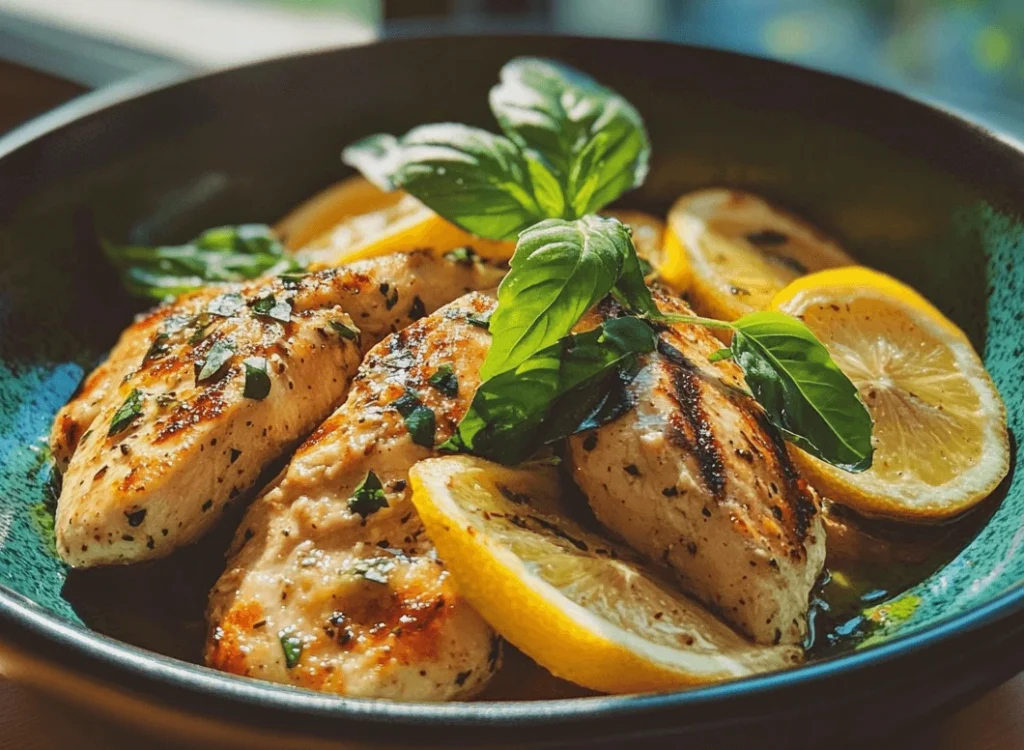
[[358, 583]]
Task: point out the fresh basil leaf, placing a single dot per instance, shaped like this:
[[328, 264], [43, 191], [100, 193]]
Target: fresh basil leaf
[[127, 412], [519, 410], [588, 139], [419, 419], [376, 157], [803, 391], [291, 645], [257, 379], [220, 255], [445, 380], [344, 330], [368, 497], [226, 305], [559, 271], [475, 179], [271, 307], [219, 355], [631, 289]]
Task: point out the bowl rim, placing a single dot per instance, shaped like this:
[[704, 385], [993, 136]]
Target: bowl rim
[[20, 616]]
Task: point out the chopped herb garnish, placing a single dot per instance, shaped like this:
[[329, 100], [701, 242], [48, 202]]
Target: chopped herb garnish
[[158, 348], [375, 569], [226, 305], [345, 331], [480, 321], [368, 497], [719, 355], [291, 644], [461, 255], [418, 309], [127, 413], [257, 380], [165, 400], [292, 280], [419, 419], [202, 323], [446, 381], [272, 308], [218, 356]]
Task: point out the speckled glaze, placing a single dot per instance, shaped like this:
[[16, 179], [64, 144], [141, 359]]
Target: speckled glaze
[[910, 190]]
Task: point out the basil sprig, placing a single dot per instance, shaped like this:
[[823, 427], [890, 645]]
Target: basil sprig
[[571, 146], [519, 410], [574, 132], [223, 254]]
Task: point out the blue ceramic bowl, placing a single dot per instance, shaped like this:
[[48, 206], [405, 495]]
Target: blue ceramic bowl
[[916, 191]]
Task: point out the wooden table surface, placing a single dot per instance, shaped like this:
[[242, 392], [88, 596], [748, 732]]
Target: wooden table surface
[[28, 722]]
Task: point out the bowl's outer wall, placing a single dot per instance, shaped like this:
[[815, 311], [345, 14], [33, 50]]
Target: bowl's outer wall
[[906, 189]]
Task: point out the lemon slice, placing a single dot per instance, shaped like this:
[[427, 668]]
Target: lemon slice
[[940, 437], [736, 251], [579, 605], [355, 220]]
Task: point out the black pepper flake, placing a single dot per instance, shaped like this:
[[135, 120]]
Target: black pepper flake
[[128, 537], [461, 677], [207, 505], [418, 309], [235, 453], [632, 470], [670, 492], [705, 512], [590, 442], [150, 542], [136, 517]]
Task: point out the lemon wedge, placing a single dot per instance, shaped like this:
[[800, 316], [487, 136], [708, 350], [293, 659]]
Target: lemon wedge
[[355, 220], [736, 251], [579, 605], [940, 437]]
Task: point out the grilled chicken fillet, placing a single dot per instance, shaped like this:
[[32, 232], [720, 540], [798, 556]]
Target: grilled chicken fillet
[[349, 574], [696, 478], [200, 395]]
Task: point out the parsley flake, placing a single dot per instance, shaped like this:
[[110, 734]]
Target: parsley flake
[[368, 497], [127, 413]]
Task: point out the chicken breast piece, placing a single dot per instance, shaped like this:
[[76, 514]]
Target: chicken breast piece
[[198, 397], [336, 588], [696, 478]]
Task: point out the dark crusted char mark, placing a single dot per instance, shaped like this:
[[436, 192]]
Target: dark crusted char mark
[[796, 495], [691, 427]]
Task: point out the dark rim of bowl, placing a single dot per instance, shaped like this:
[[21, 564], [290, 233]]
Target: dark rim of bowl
[[20, 615]]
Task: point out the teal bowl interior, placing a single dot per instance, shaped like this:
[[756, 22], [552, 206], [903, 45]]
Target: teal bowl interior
[[907, 189]]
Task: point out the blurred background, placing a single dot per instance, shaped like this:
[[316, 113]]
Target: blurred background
[[967, 53]]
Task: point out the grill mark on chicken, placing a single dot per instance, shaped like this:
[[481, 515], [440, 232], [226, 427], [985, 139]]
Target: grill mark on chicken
[[796, 494], [697, 434]]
